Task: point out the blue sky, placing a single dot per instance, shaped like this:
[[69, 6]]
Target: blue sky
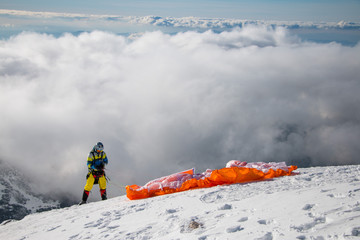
[[304, 10], [304, 13]]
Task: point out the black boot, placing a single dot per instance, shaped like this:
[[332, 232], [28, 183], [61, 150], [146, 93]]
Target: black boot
[[85, 197], [103, 194]]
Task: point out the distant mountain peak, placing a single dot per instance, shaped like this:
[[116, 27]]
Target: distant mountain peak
[[16, 197]]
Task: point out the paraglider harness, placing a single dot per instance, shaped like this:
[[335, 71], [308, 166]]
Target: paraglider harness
[[99, 172]]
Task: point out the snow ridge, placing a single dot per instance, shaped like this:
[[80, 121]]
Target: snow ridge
[[316, 203], [16, 197]]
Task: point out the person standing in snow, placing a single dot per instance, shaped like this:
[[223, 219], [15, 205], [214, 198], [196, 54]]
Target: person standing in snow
[[96, 163]]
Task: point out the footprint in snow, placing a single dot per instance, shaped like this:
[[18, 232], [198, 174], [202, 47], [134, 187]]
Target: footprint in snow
[[262, 222], [327, 190], [308, 207], [234, 229], [113, 227], [53, 228], [337, 195], [266, 222], [73, 236], [355, 232], [310, 225], [243, 219], [226, 207], [267, 236], [106, 214], [170, 211], [117, 215], [211, 197], [100, 223], [220, 216], [140, 234]]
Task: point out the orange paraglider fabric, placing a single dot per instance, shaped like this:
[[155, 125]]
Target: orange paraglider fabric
[[187, 180]]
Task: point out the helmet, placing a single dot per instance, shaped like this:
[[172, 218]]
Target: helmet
[[99, 147]]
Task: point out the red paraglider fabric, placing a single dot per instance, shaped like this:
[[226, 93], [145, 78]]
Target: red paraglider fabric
[[235, 172]]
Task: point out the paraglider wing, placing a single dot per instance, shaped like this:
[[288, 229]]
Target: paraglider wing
[[234, 172]]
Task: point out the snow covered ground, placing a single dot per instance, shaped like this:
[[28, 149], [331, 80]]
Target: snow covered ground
[[318, 203]]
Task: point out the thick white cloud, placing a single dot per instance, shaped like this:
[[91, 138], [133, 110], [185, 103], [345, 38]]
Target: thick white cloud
[[162, 103]]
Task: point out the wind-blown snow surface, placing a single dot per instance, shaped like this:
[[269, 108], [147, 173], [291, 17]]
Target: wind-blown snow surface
[[317, 203]]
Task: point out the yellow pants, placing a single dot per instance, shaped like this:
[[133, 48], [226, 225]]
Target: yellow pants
[[90, 183]]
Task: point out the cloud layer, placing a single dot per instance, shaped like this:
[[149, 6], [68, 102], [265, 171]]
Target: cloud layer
[[161, 103], [181, 22]]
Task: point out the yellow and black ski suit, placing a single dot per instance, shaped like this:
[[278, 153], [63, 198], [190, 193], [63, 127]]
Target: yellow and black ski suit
[[96, 162]]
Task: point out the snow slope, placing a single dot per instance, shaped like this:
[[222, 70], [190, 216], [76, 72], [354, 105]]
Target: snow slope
[[318, 203]]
